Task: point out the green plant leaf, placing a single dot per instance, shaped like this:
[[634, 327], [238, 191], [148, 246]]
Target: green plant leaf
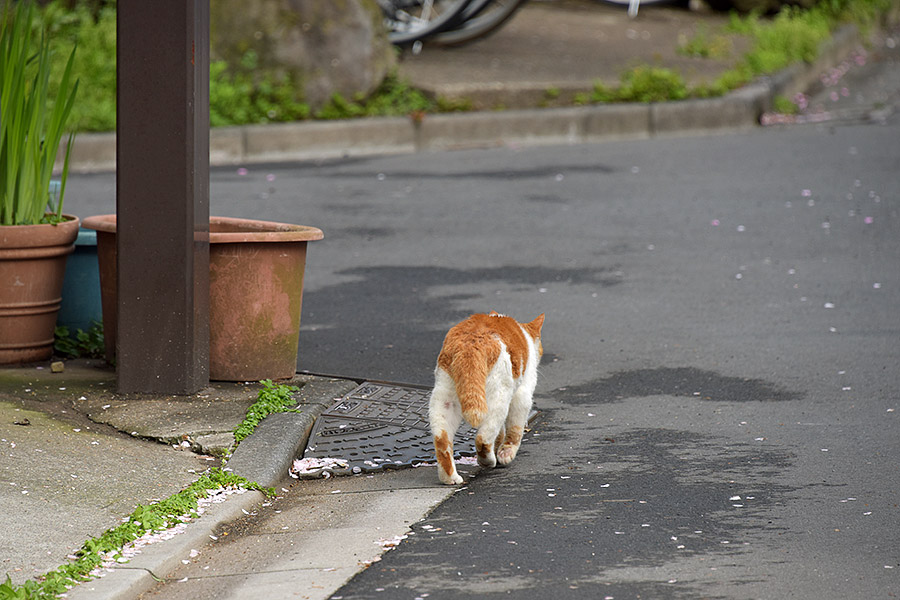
[[31, 120], [272, 398]]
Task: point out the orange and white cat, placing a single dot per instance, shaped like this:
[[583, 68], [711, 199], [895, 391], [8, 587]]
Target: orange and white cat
[[486, 374]]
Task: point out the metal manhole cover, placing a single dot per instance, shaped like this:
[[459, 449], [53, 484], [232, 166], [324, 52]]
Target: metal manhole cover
[[377, 426]]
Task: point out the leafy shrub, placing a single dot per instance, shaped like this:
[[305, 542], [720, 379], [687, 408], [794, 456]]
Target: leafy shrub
[[84, 344], [644, 84], [784, 105], [393, 97], [652, 84], [704, 45], [94, 34], [237, 96], [863, 12], [792, 36]]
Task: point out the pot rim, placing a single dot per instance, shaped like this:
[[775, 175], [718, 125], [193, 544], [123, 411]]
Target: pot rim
[[242, 230], [67, 218], [40, 235]]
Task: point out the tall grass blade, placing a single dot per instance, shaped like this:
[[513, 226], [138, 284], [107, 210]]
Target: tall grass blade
[[31, 122]]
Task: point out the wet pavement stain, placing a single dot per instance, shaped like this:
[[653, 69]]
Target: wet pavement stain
[[348, 340], [546, 199], [424, 277], [653, 496], [687, 382], [556, 172]]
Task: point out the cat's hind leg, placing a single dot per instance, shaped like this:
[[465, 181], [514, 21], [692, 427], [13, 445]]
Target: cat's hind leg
[[516, 420], [443, 451], [445, 416], [487, 441], [499, 441], [484, 449], [510, 446]]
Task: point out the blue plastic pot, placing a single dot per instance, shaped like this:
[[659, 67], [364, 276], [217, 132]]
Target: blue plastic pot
[[81, 306]]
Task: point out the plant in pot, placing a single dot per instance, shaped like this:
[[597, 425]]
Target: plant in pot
[[35, 235]]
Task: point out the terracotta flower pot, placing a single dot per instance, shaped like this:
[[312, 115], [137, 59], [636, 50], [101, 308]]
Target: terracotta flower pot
[[256, 273], [32, 266]]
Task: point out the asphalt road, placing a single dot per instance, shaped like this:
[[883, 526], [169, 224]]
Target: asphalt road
[[720, 388]]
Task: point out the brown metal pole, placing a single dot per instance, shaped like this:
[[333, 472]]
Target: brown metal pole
[[162, 196]]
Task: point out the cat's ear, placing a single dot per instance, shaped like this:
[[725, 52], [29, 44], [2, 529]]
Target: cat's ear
[[535, 326], [493, 313]]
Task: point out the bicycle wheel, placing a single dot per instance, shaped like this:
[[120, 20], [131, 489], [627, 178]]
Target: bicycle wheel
[[634, 5], [481, 18], [412, 20]]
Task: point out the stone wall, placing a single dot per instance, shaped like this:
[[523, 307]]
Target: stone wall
[[326, 47]]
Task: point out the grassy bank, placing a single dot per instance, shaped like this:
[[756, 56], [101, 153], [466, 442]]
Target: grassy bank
[[792, 36], [239, 95]]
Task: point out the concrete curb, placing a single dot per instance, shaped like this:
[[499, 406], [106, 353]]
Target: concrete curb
[[263, 457], [267, 454], [736, 111]]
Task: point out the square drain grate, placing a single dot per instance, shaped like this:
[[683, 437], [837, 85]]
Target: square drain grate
[[378, 426]]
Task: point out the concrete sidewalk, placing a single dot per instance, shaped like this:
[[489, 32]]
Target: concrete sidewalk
[[531, 68], [78, 458]]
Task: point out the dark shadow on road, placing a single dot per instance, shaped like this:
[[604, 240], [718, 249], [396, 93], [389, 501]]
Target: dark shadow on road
[[684, 382], [388, 323]]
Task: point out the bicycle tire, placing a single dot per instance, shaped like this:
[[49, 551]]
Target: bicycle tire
[[406, 23], [643, 2], [634, 5], [481, 18]]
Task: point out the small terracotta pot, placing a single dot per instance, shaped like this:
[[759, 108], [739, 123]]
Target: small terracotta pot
[[32, 267], [256, 271]]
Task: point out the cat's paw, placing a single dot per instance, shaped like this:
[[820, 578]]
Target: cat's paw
[[453, 479], [488, 461], [506, 455]]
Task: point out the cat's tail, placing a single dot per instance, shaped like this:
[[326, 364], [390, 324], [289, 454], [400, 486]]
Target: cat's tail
[[469, 372]]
